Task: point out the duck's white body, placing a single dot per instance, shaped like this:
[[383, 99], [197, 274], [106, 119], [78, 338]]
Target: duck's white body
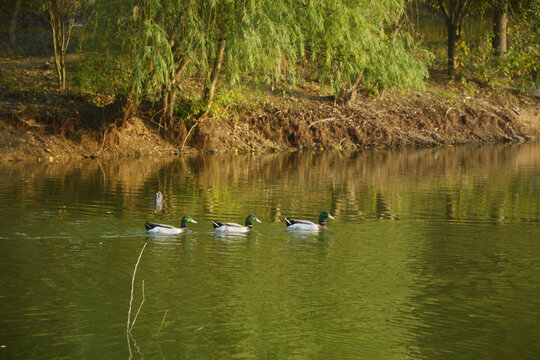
[[303, 225], [231, 227], [164, 229], [155, 228], [234, 227]]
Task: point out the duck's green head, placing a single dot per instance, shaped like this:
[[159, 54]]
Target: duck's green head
[[250, 219], [322, 218], [185, 220]]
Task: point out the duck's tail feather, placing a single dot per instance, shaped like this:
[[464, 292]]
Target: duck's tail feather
[[149, 225], [216, 224], [289, 221]]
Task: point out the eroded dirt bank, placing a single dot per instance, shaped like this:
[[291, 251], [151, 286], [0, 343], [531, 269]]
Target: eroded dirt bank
[[58, 126], [395, 120]]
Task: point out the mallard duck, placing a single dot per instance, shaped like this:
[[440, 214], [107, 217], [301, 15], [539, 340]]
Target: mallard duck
[[236, 228], [168, 229], [304, 225]]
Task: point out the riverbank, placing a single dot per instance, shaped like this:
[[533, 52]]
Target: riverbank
[[38, 122]]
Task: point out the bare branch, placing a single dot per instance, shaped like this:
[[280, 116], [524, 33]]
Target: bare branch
[[138, 310], [128, 327]]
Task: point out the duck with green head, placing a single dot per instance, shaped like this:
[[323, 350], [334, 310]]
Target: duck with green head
[[305, 225], [234, 227], [155, 228]]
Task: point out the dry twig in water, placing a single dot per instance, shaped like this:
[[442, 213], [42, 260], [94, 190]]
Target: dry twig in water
[[138, 310], [162, 321], [129, 326]]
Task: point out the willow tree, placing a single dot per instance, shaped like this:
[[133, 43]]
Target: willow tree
[[344, 42], [360, 42], [209, 37]]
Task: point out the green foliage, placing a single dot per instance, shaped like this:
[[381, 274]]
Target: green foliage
[[97, 77], [269, 40], [223, 105], [523, 57], [225, 101], [520, 65], [153, 57], [351, 39], [189, 108], [265, 43], [153, 63], [384, 72], [8, 81]]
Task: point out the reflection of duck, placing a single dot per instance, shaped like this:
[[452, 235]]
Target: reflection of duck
[[236, 228], [158, 201], [168, 229], [304, 225]]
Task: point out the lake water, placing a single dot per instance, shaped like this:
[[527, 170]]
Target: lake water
[[433, 254]]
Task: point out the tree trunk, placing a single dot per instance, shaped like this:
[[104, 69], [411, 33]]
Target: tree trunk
[[13, 26], [55, 46], [180, 67], [166, 106], [129, 106], [61, 31], [452, 41], [500, 20], [210, 90], [348, 96], [63, 55], [454, 12], [163, 106], [169, 94], [172, 101]]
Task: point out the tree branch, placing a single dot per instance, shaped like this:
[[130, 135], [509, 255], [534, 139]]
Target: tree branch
[[445, 10], [128, 327]]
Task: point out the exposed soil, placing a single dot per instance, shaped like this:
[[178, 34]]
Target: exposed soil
[[47, 124]]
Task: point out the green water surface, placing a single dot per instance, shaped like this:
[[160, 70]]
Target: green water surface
[[433, 254]]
